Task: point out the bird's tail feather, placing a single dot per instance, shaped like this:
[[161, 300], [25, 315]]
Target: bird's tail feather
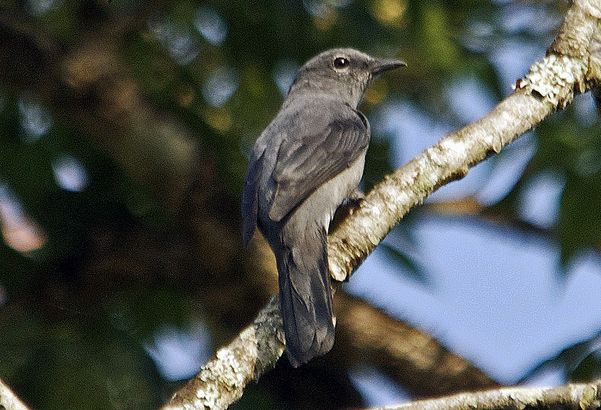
[[306, 297]]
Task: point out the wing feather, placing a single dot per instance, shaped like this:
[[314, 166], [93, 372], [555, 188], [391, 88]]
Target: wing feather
[[250, 198], [305, 163]]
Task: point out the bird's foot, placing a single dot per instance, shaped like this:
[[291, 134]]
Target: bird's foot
[[347, 207], [354, 199]]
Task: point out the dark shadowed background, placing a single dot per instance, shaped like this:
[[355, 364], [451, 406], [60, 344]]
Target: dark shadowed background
[[124, 131]]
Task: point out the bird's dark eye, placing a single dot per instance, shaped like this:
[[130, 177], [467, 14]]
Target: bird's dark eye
[[340, 62]]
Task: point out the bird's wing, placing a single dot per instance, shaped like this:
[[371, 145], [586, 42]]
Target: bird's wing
[[305, 163], [249, 197]]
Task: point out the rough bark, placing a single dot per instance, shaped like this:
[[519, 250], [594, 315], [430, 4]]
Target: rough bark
[[571, 396]]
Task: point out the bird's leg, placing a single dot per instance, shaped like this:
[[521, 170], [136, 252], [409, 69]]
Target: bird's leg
[[354, 199], [347, 207]]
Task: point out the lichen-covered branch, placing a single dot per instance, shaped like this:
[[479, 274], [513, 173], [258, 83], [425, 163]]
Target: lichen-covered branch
[[549, 86], [449, 159], [8, 400], [571, 396], [222, 380]]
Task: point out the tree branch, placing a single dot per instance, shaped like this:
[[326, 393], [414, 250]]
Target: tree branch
[[222, 380], [571, 396], [8, 400], [550, 85], [367, 335]]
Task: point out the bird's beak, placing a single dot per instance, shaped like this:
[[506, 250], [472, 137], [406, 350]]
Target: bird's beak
[[378, 66]]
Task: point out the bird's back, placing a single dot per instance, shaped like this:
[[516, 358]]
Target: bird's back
[[301, 117]]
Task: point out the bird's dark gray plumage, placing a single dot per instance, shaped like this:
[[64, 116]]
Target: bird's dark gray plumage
[[302, 167]]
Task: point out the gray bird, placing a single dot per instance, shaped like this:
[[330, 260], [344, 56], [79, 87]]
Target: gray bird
[[306, 162]]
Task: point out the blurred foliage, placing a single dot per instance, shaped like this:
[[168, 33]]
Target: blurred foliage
[[93, 262]]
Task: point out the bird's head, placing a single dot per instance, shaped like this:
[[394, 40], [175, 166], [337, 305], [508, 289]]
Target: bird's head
[[342, 72]]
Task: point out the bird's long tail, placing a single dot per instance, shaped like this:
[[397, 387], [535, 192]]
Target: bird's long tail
[[306, 297]]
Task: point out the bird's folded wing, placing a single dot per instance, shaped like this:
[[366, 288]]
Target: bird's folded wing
[[249, 197], [304, 163]]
